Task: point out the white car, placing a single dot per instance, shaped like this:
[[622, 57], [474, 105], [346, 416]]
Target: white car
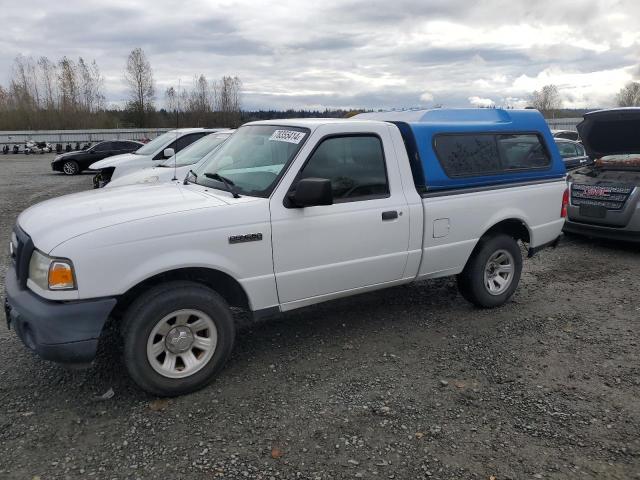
[[154, 152], [566, 134], [176, 167], [285, 214]]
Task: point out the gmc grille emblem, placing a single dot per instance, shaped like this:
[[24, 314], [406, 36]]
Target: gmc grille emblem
[[249, 237], [596, 192]]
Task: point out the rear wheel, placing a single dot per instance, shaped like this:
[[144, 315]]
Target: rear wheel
[[492, 273], [177, 336], [70, 167]]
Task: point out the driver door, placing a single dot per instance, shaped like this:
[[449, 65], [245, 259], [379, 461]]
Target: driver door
[[321, 252]]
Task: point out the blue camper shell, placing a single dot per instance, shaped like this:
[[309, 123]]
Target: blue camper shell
[[420, 128]]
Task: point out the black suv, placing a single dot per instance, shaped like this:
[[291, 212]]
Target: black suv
[[73, 163]]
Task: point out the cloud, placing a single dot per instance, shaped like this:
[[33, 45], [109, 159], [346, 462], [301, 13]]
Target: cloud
[[481, 102], [346, 53], [426, 97]]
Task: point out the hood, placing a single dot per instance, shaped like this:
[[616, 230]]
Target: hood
[[116, 161], [64, 155], [150, 176], [611, 132], [54, 221], [71, 154]]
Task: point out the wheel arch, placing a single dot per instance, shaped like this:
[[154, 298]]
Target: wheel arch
[[222, 283], [514, 227]]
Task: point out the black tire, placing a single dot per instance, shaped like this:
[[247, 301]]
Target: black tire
[[145, 313], [70, 167], [471, 282]]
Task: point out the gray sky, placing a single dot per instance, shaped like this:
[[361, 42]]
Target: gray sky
[[349, 53]]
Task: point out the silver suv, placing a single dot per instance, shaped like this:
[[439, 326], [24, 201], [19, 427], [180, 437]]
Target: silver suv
[[605, 196]]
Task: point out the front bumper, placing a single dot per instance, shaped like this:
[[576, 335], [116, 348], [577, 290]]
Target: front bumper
[[598, 231], [64, 332]]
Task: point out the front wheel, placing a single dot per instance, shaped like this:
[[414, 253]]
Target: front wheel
[[177, 336], [492, 273], [70, 167]]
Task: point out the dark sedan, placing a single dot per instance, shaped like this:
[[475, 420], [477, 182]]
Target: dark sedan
[[73, 163], [572, 153]]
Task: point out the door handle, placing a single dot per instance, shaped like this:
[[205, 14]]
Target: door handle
[[390, 215]]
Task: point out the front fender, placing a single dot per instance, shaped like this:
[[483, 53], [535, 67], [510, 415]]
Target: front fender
[[112, 260]]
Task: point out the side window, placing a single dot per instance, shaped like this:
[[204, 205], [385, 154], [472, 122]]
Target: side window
[[104, 147], [568, 135], [567, 150], [522, 152], [187, 140], [464, 155], [486, 154], [355, 165]]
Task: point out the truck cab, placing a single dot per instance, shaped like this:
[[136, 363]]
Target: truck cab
[[285, 214]]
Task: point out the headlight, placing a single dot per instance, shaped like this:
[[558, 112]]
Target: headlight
[[51, 273]]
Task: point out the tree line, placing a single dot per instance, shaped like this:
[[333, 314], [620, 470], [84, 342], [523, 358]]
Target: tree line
[[549, 101], [67, 93], [52, 94]]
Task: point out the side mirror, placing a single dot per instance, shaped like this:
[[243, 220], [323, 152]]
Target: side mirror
[[310, 192], [168, 152]]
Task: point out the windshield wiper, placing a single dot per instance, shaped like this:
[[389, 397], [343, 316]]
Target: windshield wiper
[[227, 183], [191, 172]]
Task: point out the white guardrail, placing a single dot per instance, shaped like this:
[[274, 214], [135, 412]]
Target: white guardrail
[[19, 137], [72, 136]]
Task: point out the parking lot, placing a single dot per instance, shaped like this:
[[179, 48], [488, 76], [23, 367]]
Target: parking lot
[[409, 382]]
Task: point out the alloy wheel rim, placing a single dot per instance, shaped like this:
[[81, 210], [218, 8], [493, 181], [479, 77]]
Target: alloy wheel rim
[[69, 169], [182, 343], [498, 272]]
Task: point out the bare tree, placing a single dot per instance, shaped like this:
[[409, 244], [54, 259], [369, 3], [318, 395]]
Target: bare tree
[[23, 88], [90, 86], [629, 95], [4, 100], [48, 80], [139, 77], [200, 104], [547, 100], [227, 100], [172, 103], [171, 99], [69, 90]]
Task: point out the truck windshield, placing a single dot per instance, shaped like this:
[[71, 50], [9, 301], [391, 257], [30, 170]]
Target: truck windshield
[[196, 151], [252, 159]]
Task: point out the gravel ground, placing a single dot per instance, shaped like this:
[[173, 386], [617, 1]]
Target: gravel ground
[[410, 382]]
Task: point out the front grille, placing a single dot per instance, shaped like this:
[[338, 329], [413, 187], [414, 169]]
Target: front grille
[[608, 196]]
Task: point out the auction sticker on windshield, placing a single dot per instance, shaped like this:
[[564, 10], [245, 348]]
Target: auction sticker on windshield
[[290, 136]]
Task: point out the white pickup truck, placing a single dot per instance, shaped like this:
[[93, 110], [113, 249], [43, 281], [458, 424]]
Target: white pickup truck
[[286, 214]]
